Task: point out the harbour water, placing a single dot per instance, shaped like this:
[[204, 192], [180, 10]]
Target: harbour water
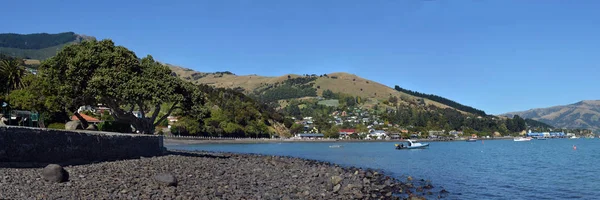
[[494, 169]]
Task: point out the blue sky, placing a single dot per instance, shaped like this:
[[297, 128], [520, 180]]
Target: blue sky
[[498, 56]]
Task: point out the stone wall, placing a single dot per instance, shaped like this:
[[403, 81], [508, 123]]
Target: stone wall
[[22, 144]]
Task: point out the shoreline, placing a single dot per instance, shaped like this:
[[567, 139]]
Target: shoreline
[[214, 175], [191, 141]]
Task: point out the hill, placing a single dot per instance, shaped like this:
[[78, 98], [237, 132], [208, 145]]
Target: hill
[[580, 115], [37, 46], [302, 86]]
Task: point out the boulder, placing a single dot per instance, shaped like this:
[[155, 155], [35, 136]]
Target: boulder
[[166, 179], [336, 188], [73, 125], [55, 173], [91, 127], [336, 180]]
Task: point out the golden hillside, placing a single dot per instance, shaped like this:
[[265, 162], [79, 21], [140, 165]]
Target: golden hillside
[[337, 82]]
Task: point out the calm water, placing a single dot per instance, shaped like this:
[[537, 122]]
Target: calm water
[[500, 169]]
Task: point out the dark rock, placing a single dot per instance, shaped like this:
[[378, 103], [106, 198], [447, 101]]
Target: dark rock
[[428, 186], [166, 179], [409, 178], [55, 173], [443, 191]]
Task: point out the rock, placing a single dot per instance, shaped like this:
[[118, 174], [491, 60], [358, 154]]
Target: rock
[[336, 188], [91, 127], [443, 191], [336, 180], [55, 173], [166, 179], [366, 181], [73, 125], [306, 193], [349, 187], [389, 194], [428, 186], [409, 178], [358, 194]]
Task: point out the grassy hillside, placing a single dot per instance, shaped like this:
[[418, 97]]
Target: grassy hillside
[[38, 46], [340, 82], [580, 115]]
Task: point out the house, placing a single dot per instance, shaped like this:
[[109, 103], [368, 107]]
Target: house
[[394, 136], [309, 135], [346, 132], [377, 134], [455, 133], [436, 133], [87, 118], [172, 119]]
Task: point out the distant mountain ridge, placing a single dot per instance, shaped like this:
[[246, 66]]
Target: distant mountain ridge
[[580, 115], [37, 46]]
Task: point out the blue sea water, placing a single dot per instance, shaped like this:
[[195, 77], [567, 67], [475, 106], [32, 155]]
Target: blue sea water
[[494, 169]]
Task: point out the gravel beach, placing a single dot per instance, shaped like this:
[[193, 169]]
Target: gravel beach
[[206, 175]]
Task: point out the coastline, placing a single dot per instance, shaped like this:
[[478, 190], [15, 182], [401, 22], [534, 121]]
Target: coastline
[[191, 141], [214, 176]]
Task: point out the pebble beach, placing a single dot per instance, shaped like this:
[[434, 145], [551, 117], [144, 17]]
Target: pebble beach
[[207, 175]]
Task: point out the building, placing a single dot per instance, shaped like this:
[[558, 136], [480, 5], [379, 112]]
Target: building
[[394, 136], [87, 118], [346, 132], [309, 135]]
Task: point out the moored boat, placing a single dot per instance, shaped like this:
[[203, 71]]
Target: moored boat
[[412, 145], [521, 139], [471, 140]]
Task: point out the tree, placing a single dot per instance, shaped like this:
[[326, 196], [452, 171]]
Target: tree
[[95, 72], [333, 132], [12, 72]]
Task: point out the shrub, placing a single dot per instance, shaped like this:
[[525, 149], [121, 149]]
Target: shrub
[[57, 126]]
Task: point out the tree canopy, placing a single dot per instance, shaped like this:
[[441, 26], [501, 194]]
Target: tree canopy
[[94, 72]]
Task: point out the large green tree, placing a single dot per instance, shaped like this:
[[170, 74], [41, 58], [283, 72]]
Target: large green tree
[[94, 72]]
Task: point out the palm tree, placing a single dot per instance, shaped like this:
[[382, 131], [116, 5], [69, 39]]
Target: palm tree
[[11, 74]]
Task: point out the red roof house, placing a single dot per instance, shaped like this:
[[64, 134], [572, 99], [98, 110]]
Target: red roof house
[[87, 118]]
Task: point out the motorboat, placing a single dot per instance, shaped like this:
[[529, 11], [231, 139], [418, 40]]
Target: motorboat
[[574, 137], [412, 145], [472, 140], [522, 139], [335, 146]]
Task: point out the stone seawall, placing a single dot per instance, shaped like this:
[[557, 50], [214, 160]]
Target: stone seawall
[[22, 144]]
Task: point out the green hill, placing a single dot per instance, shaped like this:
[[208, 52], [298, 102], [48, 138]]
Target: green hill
[[39, 46]]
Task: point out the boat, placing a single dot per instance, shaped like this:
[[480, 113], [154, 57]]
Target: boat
[[472, 140], [335, 146], [412, 145], [522, 139], [574, 137]]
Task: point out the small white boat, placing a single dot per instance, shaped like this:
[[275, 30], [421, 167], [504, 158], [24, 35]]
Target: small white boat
[[412, 145], [574, 137], [335, 146], [521, 139]]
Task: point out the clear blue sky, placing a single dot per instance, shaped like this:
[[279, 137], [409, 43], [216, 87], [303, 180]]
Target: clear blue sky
[[498, 56]]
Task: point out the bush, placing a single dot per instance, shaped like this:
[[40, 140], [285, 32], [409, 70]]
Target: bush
[[114, 126], [57, 126]]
